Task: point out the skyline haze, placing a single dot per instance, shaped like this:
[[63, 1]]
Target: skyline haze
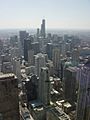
[[71, 14]]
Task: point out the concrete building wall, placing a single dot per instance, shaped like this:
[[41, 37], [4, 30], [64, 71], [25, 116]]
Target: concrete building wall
[[9, 103]]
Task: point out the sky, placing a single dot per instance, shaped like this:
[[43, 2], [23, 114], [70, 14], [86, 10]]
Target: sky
[[59, 14]]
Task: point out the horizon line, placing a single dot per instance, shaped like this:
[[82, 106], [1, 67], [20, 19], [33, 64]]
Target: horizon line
[[26, 28]]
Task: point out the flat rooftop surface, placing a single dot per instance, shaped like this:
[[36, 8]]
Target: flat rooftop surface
[[7, 76]]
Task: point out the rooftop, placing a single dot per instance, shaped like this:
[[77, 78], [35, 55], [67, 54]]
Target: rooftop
[[67, 104], [72, 69], [60, 114], [36, 104], [7, 76]]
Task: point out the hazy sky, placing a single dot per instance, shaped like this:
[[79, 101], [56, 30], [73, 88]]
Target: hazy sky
[[58, 13]]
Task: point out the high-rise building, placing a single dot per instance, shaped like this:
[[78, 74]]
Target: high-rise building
[[39, 62], [56, 60], [69, 84], [27, 47], [36, 47], [1, 46], [31, 57], [9, 102], [83, 102], [13, 40], [63, 47], [38, 32], [49, 49], [43, 33], [16, 68], [31, 88], [23, 35], [44, 86], [75, 57], [50, 66]]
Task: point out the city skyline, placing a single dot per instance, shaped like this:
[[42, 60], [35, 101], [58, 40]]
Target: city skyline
[[71, 14]]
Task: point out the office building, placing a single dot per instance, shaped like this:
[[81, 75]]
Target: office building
[[1, 46], [56, 60], [43, 32], [75, 57], [83, 102], [39, 62], [36, 47], [27, 47], [31, 57], [9, 102], [13, 40], [44, 86], [38, 32], [63, 46], [69, 84], [17, 68], [31, 88], [50, 66], [49, 50], [22, 36]]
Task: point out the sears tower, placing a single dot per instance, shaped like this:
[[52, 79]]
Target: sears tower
[[43, 34]]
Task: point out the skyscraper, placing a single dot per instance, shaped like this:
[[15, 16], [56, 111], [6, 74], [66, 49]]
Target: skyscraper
[[39, 62], [44, 86], [9, 102], [49, 49], [16, 68], [75, 57], [56, 60], [22, 35], [31, 88], [36, 47], [27, 47], [69, 83], [83, 103], [43, 33], [38, 32], [30, 57]]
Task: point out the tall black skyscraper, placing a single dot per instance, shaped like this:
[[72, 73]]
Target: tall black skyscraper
[[49, 49], [27, 47], [43, 33]]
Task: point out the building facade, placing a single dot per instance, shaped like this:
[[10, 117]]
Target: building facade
[[44, 86], [83, 103], [9, 102]]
